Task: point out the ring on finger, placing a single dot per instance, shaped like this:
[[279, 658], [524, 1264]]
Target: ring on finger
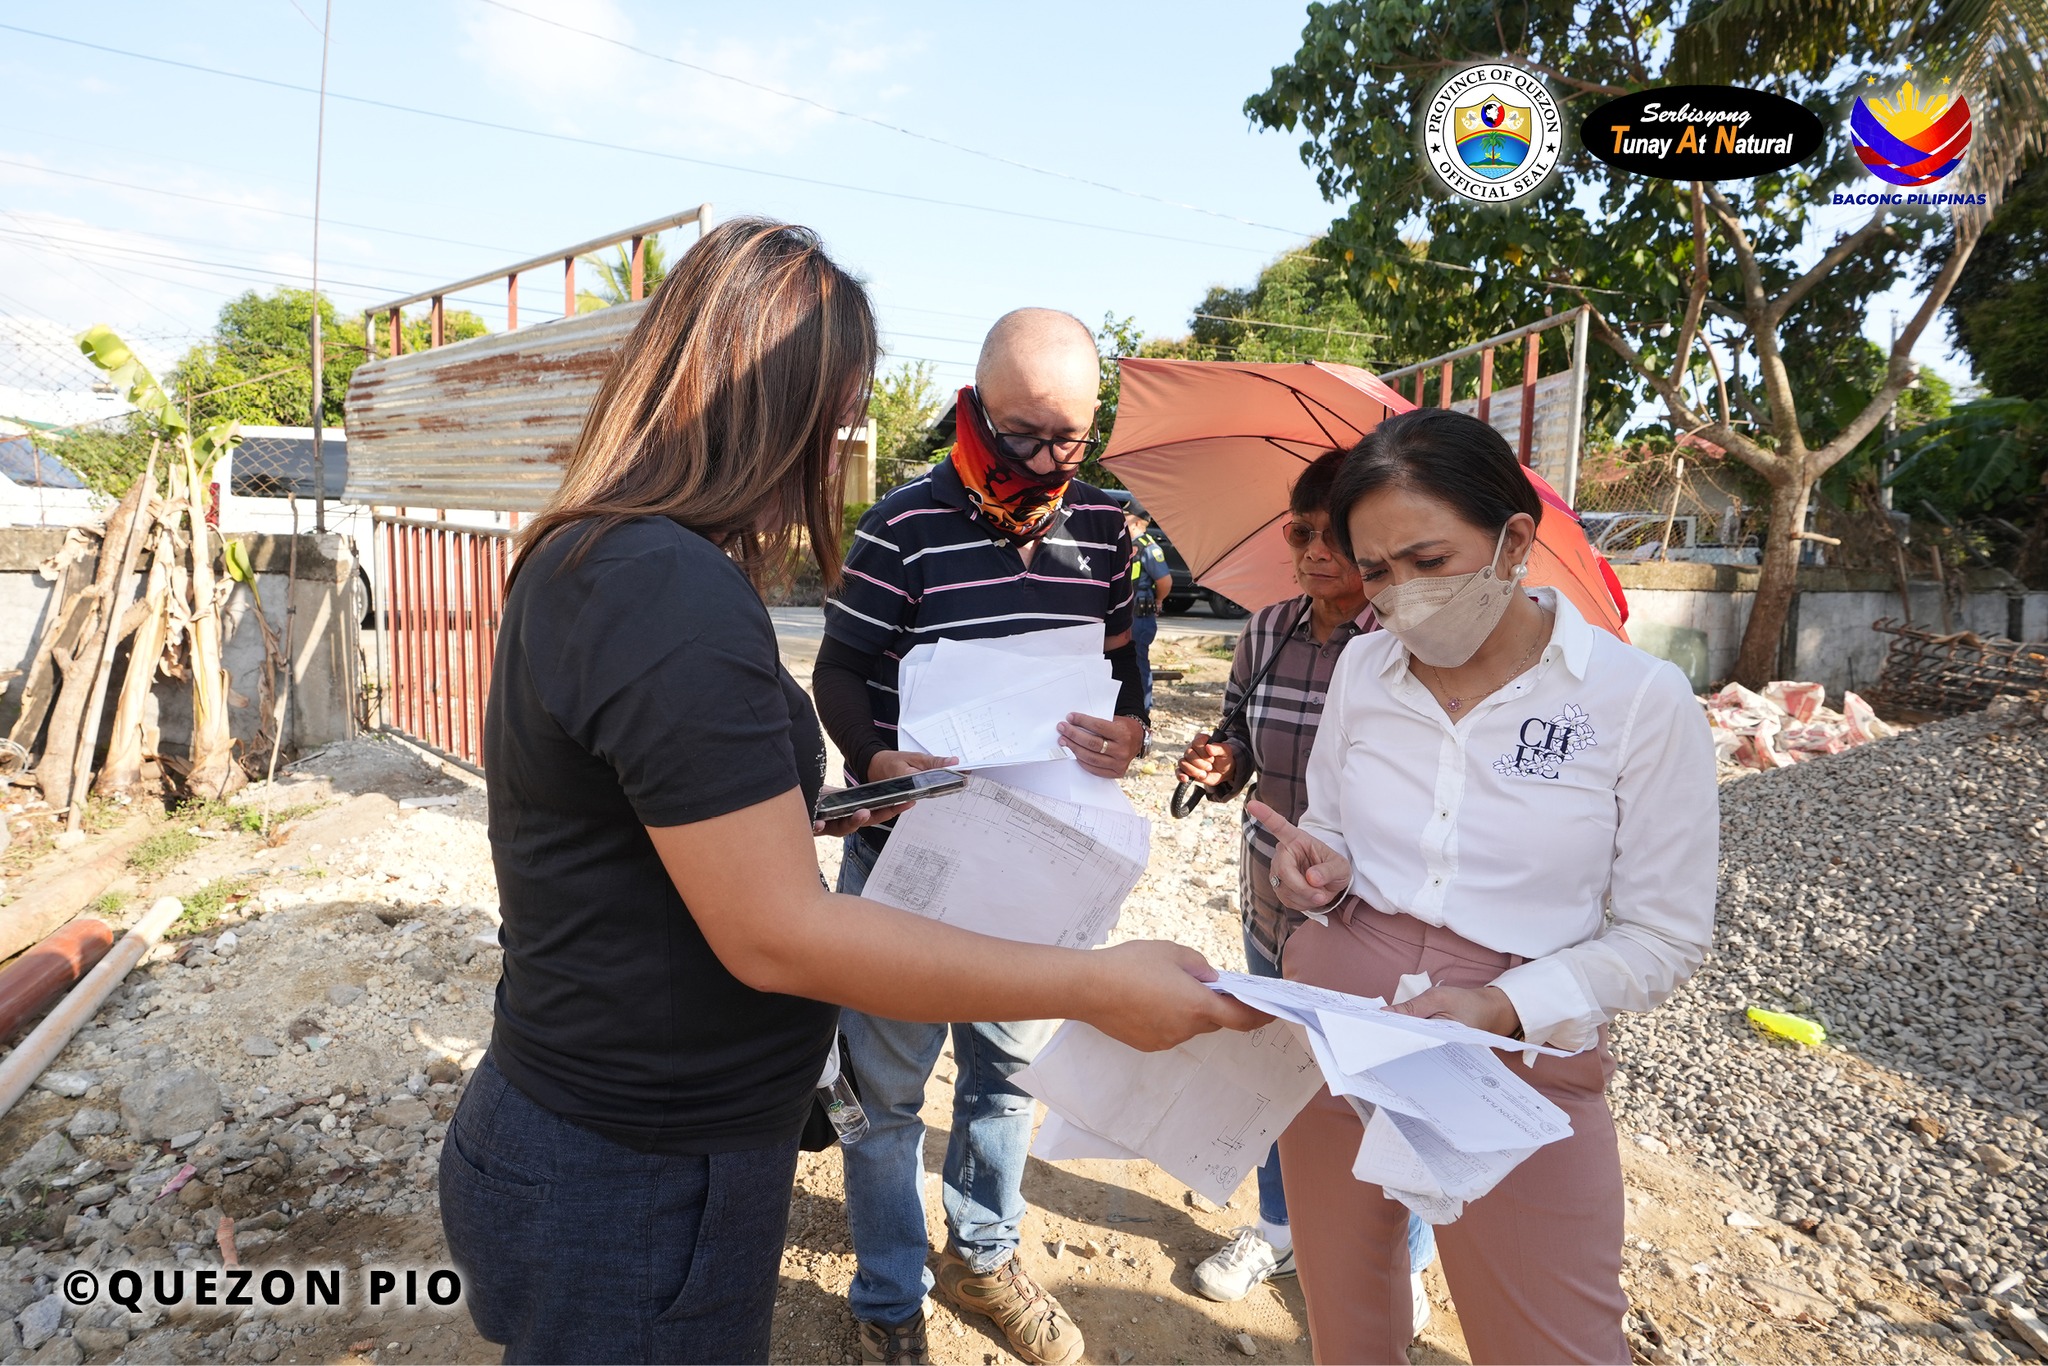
[[1275, 880], [1105, 746]]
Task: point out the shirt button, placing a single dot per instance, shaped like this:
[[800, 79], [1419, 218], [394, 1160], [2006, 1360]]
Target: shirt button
[[1436, 882], [1443, 815], [1315, 699]]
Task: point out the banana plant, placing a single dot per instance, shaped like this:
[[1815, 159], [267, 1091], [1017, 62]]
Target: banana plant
[[200, 594]]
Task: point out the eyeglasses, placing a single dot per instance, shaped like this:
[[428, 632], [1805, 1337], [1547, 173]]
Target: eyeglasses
[[1024, 447], [1301, 536]]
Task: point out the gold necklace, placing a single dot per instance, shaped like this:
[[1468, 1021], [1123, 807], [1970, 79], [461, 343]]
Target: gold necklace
[[1455, 703]]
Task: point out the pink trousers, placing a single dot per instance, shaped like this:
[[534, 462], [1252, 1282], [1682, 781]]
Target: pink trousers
[[1534, 1265]]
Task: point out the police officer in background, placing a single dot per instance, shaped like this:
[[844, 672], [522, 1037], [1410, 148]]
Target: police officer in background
[[1151, 585]]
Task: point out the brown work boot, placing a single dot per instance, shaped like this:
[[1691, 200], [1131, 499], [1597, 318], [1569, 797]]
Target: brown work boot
[[1038, 1329], [885, 1345]]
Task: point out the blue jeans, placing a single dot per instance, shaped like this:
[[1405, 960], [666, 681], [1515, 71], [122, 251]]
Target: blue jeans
[[1145, 630], [1272, 1197], [575, 1248], [984, 1167]]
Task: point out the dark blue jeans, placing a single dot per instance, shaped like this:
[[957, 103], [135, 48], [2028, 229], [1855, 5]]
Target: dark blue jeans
[[1145, 630], [574, 1248]]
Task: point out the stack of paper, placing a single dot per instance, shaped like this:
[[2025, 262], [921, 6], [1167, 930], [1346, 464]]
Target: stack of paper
[[1000, 701], [1445, 1119], [1037, 848]]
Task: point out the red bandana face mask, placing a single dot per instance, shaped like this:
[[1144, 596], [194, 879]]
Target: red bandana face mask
[[1012, 497]]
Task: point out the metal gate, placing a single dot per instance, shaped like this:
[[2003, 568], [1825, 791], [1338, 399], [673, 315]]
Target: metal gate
[[437, 632]]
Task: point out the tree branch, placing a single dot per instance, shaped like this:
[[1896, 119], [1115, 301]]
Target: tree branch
[[1837, 254], [1682, 361], [1683, 416], [1899, 373], [1763, 330]]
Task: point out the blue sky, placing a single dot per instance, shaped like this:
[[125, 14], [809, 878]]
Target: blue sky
[[1145, 99]]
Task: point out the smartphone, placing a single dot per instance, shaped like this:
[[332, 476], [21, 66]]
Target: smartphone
[[911, 787]]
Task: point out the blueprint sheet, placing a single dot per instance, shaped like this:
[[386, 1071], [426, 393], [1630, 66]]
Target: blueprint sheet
[[1018, 865]]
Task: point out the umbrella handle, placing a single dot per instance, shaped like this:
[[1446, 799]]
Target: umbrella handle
[[1186, 797]]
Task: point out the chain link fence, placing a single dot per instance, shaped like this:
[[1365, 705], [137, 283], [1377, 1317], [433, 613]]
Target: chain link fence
[[1643, 505]]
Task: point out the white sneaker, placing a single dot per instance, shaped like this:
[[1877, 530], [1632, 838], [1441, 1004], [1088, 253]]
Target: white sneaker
[[1246, 1261], [1421, 1305]]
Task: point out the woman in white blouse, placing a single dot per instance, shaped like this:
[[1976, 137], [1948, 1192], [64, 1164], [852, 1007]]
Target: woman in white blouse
[[1522, 807]]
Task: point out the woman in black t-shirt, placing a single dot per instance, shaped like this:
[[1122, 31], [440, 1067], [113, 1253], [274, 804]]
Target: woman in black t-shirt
[[615, 1185]]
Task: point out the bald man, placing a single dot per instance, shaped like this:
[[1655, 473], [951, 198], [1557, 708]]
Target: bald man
[[999, 539]]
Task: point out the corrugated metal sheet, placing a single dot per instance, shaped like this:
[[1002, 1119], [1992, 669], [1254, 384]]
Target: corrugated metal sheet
[[485, 423]]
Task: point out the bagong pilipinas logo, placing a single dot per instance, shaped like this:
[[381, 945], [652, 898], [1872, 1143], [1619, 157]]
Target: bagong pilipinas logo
[[1910, 140], [1702, 132], [1492, 132]]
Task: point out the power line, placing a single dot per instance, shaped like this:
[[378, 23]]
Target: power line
[[246, 208], [1296, 327], [891, 127], [603, 145]]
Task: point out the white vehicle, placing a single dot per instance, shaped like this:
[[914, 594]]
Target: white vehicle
[[265, 484], [36, 489]]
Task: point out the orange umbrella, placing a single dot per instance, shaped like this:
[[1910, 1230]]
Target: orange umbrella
[[1213, 448]]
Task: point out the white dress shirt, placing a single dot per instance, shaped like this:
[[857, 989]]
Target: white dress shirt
[[1571, 818]]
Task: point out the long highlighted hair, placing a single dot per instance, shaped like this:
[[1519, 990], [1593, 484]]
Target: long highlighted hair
[[722, 409]]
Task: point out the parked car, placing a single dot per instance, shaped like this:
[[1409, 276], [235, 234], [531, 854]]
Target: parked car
[[1186, 592], [37, 489], [271, 467]]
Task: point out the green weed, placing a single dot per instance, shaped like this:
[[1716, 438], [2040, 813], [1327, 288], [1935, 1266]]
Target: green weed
[[206, 905]]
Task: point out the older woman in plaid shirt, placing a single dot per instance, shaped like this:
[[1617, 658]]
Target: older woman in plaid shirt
[[1269, 740]]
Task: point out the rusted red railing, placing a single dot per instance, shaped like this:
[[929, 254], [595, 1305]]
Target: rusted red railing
[[436, 298], [1444, 370], [438, 632]]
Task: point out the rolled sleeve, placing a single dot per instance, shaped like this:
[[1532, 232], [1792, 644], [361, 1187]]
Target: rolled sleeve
[[1661, 892]]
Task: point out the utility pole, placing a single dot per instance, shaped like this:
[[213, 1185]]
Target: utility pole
[[319, 380], [1891, 431]]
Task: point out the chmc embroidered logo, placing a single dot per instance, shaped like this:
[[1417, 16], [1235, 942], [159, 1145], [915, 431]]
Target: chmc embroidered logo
[[1910, 139], [1493, 136]]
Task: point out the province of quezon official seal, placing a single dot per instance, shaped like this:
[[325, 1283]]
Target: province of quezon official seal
[[1492, 133]]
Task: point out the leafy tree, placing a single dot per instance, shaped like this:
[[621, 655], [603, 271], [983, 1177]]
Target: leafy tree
[[615, 275], [1301, 308], [109, 456], [257, 367], [1667, 266], [904, 403], [1114, 340], [2000, 303]]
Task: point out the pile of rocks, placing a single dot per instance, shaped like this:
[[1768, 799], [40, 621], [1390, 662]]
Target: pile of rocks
[[1894, 893], [292, 1075]]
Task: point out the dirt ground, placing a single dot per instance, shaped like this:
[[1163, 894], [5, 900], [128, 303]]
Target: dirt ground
[[341, 1024]]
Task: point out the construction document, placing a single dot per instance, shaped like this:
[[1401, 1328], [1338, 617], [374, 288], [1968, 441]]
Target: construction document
[[1445, 1118], [1000, 701], [1014, 864], [1207, 1111]]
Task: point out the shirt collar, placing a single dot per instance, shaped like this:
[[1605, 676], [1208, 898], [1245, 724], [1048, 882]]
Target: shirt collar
[[1570, 636], [1357, 626]]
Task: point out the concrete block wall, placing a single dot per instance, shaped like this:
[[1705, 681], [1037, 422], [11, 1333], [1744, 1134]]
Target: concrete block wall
[[1829, 635], [325, 647]]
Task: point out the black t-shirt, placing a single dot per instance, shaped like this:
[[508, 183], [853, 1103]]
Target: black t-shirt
[[640, 688]]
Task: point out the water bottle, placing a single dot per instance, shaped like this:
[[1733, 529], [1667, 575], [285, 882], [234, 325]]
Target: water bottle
[[841, 1104]]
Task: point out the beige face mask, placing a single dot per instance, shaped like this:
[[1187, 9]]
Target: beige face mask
[[1444, 621]]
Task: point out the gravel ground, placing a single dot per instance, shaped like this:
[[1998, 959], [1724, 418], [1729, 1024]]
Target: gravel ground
[[1895, 893], [302, 1056]]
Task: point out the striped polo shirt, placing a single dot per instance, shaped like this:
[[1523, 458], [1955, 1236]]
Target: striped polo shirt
[[924, 566]]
